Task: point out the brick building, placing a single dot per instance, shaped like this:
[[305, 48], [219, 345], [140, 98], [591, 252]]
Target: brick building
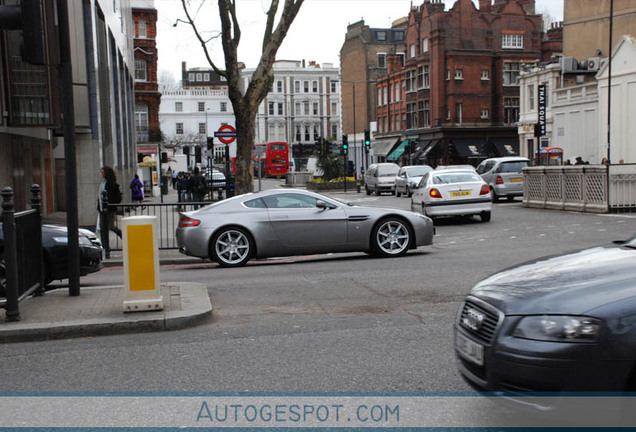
[[365, 57], [147, 96], [456, 100]]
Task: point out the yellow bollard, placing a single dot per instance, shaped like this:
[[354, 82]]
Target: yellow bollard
[[142, 291]]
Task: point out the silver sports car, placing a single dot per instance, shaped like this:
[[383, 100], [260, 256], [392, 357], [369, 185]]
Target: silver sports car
[[289, 222]]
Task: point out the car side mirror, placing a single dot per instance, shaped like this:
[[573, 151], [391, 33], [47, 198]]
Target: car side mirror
[[322, 205]]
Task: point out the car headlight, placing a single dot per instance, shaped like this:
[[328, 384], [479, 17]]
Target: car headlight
[[85, 241], [60, 240], [558, 328]]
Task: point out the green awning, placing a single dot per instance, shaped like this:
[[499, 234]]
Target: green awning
[[399, 150]]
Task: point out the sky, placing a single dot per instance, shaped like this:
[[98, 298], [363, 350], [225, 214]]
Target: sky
[[316, 34]]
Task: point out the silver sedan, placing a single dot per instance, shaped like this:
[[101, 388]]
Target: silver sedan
[[290, 222]]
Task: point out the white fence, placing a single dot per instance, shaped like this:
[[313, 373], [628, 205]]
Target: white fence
[[586, 188]]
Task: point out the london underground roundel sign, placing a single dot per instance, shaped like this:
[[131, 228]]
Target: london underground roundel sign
[[226, 134]]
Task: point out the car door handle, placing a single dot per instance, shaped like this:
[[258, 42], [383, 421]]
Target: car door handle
[[280, 217]]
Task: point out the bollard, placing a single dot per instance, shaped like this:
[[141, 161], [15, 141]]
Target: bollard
[[141, 264], [36, 204], [10, 255]]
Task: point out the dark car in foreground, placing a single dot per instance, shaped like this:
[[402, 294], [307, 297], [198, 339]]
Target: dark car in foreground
[[276, 223], [55, 254], [559, 324]]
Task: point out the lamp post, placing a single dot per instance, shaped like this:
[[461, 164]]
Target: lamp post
[[355, 147]]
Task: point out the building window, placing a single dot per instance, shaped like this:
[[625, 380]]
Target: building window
[[410, 116], [279, 86], [307, 133], [459, 113], [485, 74], [459, 74], [141, 70], [412, 50], [298, 110], [484, 113], [223, 106], [423, 77], [141, 29], [447, 74], [385, 99], [191, 77], [296, 86], [382, 60], [530, 99], [411, 80], [306, 85], [315, 108], [511, 110], [306, 108], [401, 57], [511, 41], [298, 133], [425, 45], [334, 129], [280, 108], [271, 108], [199, 77], [396, 89], [201, 106], [141, 122], [178, 106], [202, 129], [380, 35], [423, 114], [448, 114], [510, 74], [398, 36], [334, 108], [314, 86], [179, 128], [334, 86], [206, 77]]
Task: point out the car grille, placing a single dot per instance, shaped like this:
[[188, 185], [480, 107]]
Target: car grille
[[479, 320]]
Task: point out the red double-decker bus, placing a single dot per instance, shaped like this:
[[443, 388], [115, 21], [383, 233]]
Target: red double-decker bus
[[274, 157]]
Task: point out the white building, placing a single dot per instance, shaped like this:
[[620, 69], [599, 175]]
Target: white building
[[187, 117], [304, 104]]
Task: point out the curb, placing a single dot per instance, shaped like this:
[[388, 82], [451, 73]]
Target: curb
[[196, 309]]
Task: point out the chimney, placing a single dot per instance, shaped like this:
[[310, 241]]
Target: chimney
[[484, 6]]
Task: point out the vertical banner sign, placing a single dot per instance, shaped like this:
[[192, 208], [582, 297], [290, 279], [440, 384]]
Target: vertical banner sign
[[541, 97]]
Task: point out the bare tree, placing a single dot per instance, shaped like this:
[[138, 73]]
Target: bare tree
[[546, 20], [246, 103], [167, 81]]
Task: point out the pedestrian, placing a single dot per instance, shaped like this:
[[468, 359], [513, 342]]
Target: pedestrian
[[604, 161], [188, 176], [110, 185], [567, 162], [175, 178], [579, 161], [137, 190], [182, 186], [199, 186]]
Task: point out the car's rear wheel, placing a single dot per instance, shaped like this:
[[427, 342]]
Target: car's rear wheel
[[485, 216], [495, 197], [367, 190], [391, 237], [231, 247]]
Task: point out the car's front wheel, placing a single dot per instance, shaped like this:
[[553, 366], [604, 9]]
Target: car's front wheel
[[390, 238], [485, 216], [231, 247], [409, 192], [398, 193]]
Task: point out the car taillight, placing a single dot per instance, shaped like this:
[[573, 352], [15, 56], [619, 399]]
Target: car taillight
[[434, 193], [485, 190], [499, 180], [186, 222]]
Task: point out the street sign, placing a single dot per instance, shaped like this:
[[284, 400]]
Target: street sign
[[226, 134]]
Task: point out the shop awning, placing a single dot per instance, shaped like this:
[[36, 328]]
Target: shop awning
[[383, 146], [426, 150], [399, 150], [470, 148], [506, 146], [420, 148]]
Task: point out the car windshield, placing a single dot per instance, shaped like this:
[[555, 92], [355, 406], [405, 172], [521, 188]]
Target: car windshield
[[387, 171], [418, 171], [513, 167], [455, 177]]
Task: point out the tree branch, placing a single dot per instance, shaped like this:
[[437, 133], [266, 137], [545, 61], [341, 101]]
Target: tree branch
[[201, 40]]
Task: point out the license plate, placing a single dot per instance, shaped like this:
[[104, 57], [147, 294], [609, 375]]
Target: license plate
[[460, 194], [516, 179], [468, 349]]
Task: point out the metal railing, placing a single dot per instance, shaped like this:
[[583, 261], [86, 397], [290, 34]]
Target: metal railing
[[585, 188]]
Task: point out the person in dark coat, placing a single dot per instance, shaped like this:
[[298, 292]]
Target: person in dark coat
[[110, 185], [198, 185]]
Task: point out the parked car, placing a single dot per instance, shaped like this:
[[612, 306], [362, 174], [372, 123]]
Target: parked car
[[217, 181], [557, 324], [275, 223], [55, 250], [504, 176], [408, 177], [380, 178], [452, 192]]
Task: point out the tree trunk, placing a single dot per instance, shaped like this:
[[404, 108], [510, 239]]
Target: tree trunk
[[245, 132]]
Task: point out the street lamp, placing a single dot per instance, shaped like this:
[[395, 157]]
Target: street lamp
[[355, 147]]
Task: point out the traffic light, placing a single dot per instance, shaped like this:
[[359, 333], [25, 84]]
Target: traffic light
[[26, 17], [210, 143], [345, 144], [367, 140], [197, 154]]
